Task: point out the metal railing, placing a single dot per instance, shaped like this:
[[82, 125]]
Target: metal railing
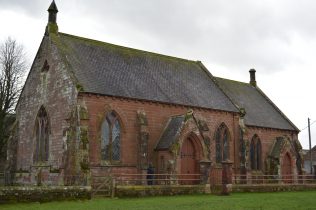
[[106, 185], [6, 178], [273, 179], [157, 179]]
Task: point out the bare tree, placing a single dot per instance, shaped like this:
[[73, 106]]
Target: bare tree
[[12, 68]]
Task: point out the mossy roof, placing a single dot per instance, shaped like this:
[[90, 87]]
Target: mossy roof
[[260, 110], [108, 69]]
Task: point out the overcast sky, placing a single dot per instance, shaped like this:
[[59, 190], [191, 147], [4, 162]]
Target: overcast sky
[[277, 38]]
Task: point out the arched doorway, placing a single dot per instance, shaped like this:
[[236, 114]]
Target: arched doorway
[[189, 162], [286, 168]]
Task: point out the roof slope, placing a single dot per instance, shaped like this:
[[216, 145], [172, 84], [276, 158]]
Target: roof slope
[[171, 132], [109, 69], [260, 111], [276, 150]]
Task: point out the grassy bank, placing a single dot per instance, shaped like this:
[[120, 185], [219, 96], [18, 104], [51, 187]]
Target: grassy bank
[[236, 201]]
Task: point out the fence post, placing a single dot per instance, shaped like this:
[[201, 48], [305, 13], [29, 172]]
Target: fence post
[[227, 177], [113, 187]]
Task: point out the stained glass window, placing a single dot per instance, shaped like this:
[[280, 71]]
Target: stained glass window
[[222, 143], [41, 136], [105, 140], [218, 147], [111, 138], [255, 153]]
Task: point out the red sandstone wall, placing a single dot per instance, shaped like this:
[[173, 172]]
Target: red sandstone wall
[[57, 93], [267, 137], [157, 115]]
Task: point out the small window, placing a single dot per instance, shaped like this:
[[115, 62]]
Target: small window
[[255, 153], [45, 67], [222, 143], [110, 138], [41, 136]]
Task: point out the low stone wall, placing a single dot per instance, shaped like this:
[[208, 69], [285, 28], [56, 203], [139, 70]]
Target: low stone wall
[[153, 190], [273, 187], [43, 194]]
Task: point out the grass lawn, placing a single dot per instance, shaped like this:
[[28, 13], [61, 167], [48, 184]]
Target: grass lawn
[[236, 201]]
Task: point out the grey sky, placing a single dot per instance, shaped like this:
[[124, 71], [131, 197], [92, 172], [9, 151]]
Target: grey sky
[[229, 37]]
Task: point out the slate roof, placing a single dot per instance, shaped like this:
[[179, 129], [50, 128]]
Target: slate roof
[[113, 70], [171, 132], [260, 111], [276, 150], [108, 69]]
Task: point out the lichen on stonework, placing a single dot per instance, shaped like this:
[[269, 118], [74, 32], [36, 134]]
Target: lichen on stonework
[[83, 113], [79, 87]]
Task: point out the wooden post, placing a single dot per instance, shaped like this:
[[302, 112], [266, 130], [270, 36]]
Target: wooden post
[[310, 146], [113, 187]]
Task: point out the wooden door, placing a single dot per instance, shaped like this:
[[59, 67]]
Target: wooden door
[[189, 163], [287, 169]]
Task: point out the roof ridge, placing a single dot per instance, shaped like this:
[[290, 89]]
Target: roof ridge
[[126, 48], [231, 80], [214, 79]]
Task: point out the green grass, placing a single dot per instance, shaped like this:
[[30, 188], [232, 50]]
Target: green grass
[[236, 201]]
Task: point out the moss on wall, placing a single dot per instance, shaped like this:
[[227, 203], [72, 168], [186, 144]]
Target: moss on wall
[[43, 194]]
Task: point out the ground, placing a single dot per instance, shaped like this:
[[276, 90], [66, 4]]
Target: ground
[[237, 201]]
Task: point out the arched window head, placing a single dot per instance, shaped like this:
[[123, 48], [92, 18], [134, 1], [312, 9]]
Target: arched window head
[[111, 138], [255, 153], [41, 136], [222, 143]]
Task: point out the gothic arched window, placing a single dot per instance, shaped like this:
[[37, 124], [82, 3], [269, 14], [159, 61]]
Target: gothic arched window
[[255, 153], [222, 143], [41, 136], [110, 138]]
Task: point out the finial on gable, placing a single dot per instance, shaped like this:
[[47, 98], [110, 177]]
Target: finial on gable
[[52, 26], [52, 11]]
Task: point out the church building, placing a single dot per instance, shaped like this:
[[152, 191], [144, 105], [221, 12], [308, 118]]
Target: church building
[[90, 108]]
